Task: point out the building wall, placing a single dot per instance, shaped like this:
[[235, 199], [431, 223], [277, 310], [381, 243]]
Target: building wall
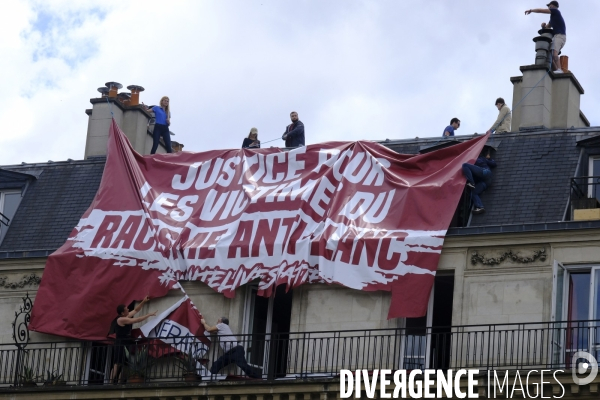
[[510, 291]]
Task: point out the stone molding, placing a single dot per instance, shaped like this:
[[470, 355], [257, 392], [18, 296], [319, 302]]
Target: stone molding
[[26, 280], [510, 255]]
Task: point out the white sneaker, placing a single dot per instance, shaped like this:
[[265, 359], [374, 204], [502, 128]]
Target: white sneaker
[[558, 71]]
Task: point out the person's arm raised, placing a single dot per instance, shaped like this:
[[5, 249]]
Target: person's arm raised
[[209, 328], [139, 306], [538, 11], [134, 320]]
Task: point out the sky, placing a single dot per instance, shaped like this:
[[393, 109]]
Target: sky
[[352, 69]]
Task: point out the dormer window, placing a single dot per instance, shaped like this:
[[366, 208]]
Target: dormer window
[[594, 177], [9, 202]]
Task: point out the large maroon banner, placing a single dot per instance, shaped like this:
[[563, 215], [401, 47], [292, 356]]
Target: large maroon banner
[[350, 213]]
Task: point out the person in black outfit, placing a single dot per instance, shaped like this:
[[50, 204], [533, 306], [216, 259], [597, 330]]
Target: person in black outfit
[[122, 326], [479, 178], [294, 132], [251, 142]]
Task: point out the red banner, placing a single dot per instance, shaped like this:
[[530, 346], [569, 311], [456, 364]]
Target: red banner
[[352, 213]]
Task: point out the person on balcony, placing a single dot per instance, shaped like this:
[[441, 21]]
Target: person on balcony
[[121, 327], [251, 142], [454, 124], [479, 178], [294, 132], [162, 115], [557, 24], [502, 124], [232, 351]]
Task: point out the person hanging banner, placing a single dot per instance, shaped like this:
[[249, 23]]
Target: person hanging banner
[[178, 330], [352, 213]]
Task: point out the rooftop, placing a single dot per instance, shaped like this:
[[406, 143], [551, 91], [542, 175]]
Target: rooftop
[[530, 190]]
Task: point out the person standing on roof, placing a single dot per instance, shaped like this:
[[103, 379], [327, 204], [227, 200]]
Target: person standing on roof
[[557, 23], [251, 142], [479, 178], [162, 115], [502, 124], [454, 124], [294, 132]]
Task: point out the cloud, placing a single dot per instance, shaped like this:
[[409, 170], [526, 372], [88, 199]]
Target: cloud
[[352, 69]]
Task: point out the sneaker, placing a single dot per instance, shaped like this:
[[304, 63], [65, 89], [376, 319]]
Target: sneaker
[[559, 71], [470, 185], [478, 210]]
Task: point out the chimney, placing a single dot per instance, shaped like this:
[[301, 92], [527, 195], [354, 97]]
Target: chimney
[[124, 98], [103, 91], [129, 115], [552, 100], [113, 89]]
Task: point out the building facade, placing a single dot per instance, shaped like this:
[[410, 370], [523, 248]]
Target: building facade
[[517, 288]]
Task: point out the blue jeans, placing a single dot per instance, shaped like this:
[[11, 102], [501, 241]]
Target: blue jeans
[[478, 177], [161, 130]]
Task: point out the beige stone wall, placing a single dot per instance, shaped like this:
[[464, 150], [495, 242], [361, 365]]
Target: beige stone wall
[[323, 307], [511, 291], [15, 276], [503, 293]]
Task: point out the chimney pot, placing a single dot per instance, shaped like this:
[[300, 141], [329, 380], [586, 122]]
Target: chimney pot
[[135, 94], [103, 90], [549, 33], [564, 63], [124, 98], [113, 88], [542, 49]]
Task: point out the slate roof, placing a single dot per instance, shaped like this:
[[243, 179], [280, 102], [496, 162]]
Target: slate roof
[[532, 181], [52, 205], [531, 186]]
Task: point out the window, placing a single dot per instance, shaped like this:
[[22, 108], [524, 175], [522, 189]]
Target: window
[[267, 321], [9, 202], [594, 177], [576, 300], [426, 343]]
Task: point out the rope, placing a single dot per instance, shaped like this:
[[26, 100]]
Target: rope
[[272, 140], [110, 107]]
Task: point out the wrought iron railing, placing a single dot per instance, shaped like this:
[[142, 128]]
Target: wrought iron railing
[[585, 193], [585, 187], [300, 355]]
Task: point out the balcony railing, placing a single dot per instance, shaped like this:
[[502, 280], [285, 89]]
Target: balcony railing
[[585, 192], [302, 355]]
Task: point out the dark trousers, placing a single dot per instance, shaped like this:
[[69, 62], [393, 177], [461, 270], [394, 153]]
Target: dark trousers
[[161, 130], [479, 177], [236, 355]]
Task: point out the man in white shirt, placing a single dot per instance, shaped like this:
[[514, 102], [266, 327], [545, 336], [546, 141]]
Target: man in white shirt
[[232, 351]]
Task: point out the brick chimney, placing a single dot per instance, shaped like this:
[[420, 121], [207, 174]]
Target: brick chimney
[[554, 102], [132, 117]]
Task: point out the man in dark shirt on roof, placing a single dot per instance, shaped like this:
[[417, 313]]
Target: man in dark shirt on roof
[[454, 124], [557, 23], [294, 132], [479, 178]]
